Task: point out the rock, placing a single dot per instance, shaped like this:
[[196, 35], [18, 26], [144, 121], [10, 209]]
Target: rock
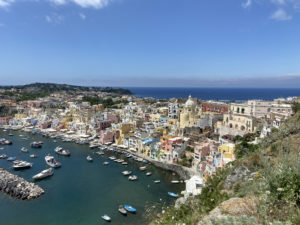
[[240, 173], [18, 187], [179, 202]]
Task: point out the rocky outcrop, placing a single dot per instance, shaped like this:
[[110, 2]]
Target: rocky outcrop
[[240, 173], [17, 187]]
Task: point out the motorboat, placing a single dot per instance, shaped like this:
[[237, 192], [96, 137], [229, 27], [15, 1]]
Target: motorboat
[[126, 172], [100, 153], [10, 134], [43, 174], [124, 163], [129, 208], [22, 165], [112, 158], [23, 149], [52, 162], [89, 158], [35, 144], [1, 148], [106, 218], [143, 168], [122, 210], [33, 156], [61, 151], [132, 178], [157, 181], [105, 163], [3, 156], [148, 174], [11, 159], [173, 194], [7, 142], [175, 181]]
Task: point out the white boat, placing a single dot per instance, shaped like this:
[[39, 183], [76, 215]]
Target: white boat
[[22, 165], [132, 178], [43, 174], [1, 148], [33, 156], [106, 217], [148, 174], [175, 181], [100, 153], [61, 151], [112, 157], [126, 172], [89, 158], [23, 149], [124, 163], [3, 156], [157, 181], [52, 162], [105, 163], [143, 168]]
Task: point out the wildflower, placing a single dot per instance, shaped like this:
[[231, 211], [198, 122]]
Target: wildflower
[[268, 192], [280, 189]]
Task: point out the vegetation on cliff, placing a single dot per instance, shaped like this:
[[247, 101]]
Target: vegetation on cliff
[[261, 187]]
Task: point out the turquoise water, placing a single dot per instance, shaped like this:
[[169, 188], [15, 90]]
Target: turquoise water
[[81, 192]]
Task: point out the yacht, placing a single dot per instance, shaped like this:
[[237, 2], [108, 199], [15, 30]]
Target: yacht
[[3, 156], [33, 156], [157, 181], [22, 165], [43, 174], [35, 144], [105, 163], [61, 151], [148, 174], [52, 162]]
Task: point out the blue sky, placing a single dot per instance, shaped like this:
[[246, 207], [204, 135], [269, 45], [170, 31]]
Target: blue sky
[[191, 43]]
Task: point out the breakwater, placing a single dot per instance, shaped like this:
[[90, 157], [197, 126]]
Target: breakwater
[[17, 187]]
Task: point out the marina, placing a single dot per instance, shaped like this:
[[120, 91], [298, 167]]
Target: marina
[[78, 182]]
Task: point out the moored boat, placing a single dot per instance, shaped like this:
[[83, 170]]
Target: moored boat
[[11, 159], [43, 174], [22, 165], [175, 181], [89, 158], [157, 181], [105, 163], [126, 172], [33, 156], [132, 178], [3, 156], [61, 151], [52, 162], [143, 168], [122, 210], [35, 144], [23, 149], [129, 208], [173, 194], [148, 174], [106, 218]]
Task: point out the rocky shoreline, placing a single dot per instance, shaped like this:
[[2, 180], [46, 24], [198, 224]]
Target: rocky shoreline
[[18, 187]]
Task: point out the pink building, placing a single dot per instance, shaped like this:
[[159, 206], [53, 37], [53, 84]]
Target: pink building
[[107, 136], [103, 124], [4, 120], [113, 118], [171, 143], [205, 148]]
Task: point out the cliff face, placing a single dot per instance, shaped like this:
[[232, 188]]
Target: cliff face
[[261, 187]]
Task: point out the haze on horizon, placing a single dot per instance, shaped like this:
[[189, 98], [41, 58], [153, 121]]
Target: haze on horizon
[[170, 43]]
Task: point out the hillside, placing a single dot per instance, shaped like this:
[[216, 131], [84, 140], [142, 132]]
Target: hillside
[[261, 187]]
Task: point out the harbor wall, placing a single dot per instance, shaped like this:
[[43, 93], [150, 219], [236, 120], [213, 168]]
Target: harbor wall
[[17, 187]]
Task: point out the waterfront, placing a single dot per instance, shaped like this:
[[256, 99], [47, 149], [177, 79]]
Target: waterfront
[[216, 93], [81, 192]]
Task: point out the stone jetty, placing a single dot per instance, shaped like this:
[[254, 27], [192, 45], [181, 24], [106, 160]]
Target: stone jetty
[[17, 187]]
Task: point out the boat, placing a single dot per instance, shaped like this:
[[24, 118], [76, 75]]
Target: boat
[[175, 181], [112, 157], [33, 156], [132, 178], [105, 163], [106, 217], [129, 208], [148, 174], [3, 156], [126, 172], [100, 153], [10, 134], [1, 148], [23, 149], [22, 165], [54, 141], [35, 144], [124, 163], [11, 159], [122, 210], [173, 194], [61, 151], [52, 162], [157, 181], [89, 158], [7, 142], [43, 174], [143, 168]]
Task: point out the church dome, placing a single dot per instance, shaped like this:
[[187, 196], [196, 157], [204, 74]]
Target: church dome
[[190, 102]]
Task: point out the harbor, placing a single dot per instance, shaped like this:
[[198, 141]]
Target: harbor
[[81, 192]]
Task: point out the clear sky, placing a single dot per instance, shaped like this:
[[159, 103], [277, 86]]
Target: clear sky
[[203, 43]]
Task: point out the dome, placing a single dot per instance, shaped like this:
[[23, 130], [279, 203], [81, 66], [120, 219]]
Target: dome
[[189, 102]]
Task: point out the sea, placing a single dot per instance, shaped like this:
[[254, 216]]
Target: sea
[[240, 94], [80, 192]]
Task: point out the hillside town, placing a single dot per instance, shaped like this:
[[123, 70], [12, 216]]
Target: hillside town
[[200, 135]]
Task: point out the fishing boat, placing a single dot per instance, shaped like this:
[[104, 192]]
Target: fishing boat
[[122, 210], [52, 162], [132, 178], [157, 181], [105, 163], [3, 156], [43, 174], [143, 168], [11, 159], [22, 165], [23, 149], [35, 144], [89, 158], [60, 151], [173, 194], [175, 181], [126, 172], [106, 218], [148, 174], [129, 208], [33, 156]]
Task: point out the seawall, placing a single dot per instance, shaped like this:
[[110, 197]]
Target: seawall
[[18, 187]]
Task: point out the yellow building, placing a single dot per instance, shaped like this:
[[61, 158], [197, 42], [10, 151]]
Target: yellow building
[[125, 129], [227, 150], [20, 116], [189, 115], [155, 117]]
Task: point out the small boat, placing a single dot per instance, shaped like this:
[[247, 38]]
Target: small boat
[[175, 181], [33, 156], [22, 165], [89, 158], [3, 156], [100, 153], [105, 163], [129, 208], [23, 149], [126, 172], [112, 158], [43, 174], [35, 144], [124, 163], [157, 181], [122, 210], [61, 151], [1, 148], [52, 162], [173, 194], [106, 217], [11, 159], [143, 168], [148, 174], [7, 142], [10, 134], [132, 178], [54, 141]]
